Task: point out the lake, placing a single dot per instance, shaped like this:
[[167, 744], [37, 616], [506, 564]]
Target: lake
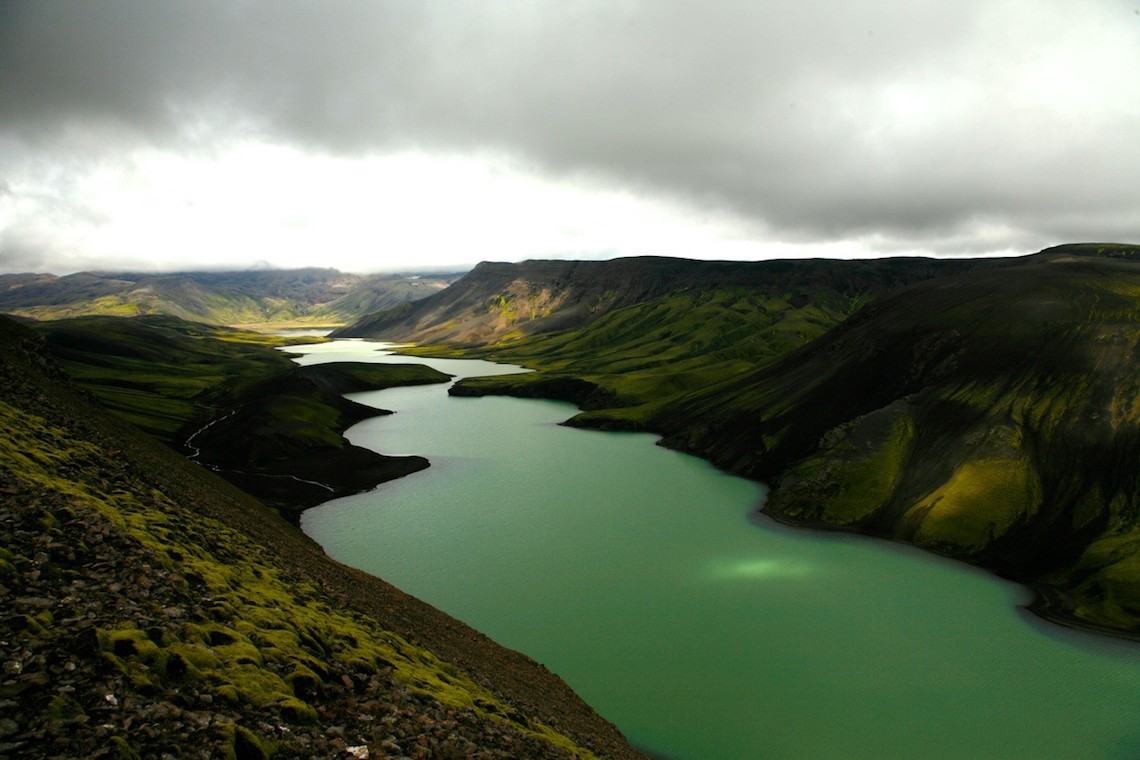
[[645, 579]]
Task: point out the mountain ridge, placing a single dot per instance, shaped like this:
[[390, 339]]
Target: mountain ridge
[[310, 295], [500, 301]]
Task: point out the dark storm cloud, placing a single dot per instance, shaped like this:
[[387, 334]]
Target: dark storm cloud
[[912, 121]]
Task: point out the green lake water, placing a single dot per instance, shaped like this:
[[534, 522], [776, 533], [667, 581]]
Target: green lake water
[[643, 577]]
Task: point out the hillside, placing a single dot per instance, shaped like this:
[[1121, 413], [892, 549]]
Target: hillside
[[232, 402], [988, 413], [498, 302], [312, 296], [151, 609], [991, 417]]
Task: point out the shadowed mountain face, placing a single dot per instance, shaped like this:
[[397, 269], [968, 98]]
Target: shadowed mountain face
[[991, 416], [496, 302], [151, 609], [316, 296], [986, 412]]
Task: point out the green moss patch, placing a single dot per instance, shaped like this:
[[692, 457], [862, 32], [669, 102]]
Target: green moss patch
[[229, 619]]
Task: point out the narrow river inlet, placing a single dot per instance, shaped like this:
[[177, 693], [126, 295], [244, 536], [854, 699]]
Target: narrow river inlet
[[643, 578]]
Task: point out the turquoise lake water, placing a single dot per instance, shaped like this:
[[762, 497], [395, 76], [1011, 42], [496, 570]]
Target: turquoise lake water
[[643, 577]]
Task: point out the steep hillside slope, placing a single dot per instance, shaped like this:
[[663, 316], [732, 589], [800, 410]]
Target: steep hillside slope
[[989, 416], [314, 296], [236, 404], [282, 439], [153, 610], [498, 302]]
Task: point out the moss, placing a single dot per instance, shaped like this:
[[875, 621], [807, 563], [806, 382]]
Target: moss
[[260, 624], [981, 501], [296, 711], [239, 743], [63, 707], [228, 693], [305, 683], [49, 522], [866, 483], [1102, 587], [121, 749], [127, 642]]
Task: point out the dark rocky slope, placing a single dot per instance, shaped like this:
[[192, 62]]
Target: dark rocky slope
[[989, 416], [151, 609]]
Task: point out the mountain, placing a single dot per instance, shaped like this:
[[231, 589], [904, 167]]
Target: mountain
[[990, 416], [313, 296], [985, 411], [151, 609], [498, 302]]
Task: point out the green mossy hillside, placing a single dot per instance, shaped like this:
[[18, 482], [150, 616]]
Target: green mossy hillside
[[225, 621], [634, 361], [498, 303], [163, 374], [990, 415], [236, 403]]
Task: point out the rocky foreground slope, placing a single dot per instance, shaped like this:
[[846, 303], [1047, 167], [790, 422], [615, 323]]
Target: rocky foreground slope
[[150, 609]]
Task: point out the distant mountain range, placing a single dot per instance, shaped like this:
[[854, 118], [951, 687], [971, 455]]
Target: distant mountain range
[[982, 409], [308, 296]]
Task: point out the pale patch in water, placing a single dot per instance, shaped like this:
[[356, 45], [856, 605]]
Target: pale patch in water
[[758, 569]]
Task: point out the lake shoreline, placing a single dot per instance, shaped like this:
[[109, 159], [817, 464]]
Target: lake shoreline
[[284, 442], [1046, 605], [607, 578]]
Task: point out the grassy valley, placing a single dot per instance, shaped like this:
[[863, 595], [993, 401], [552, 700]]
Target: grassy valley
[[151, 609]]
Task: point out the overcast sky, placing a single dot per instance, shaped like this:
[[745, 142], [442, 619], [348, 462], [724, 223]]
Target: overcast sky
[[382, 136]]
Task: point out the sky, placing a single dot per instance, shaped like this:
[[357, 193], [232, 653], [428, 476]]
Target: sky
[[408, 135]]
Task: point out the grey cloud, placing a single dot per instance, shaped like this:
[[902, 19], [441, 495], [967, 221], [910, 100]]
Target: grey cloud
[[23, 253], [770, 109]]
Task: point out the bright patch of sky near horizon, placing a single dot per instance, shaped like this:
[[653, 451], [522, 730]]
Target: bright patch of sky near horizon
[[401, 135]]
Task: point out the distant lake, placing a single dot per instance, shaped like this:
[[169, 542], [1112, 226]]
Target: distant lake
[[642, 577]]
